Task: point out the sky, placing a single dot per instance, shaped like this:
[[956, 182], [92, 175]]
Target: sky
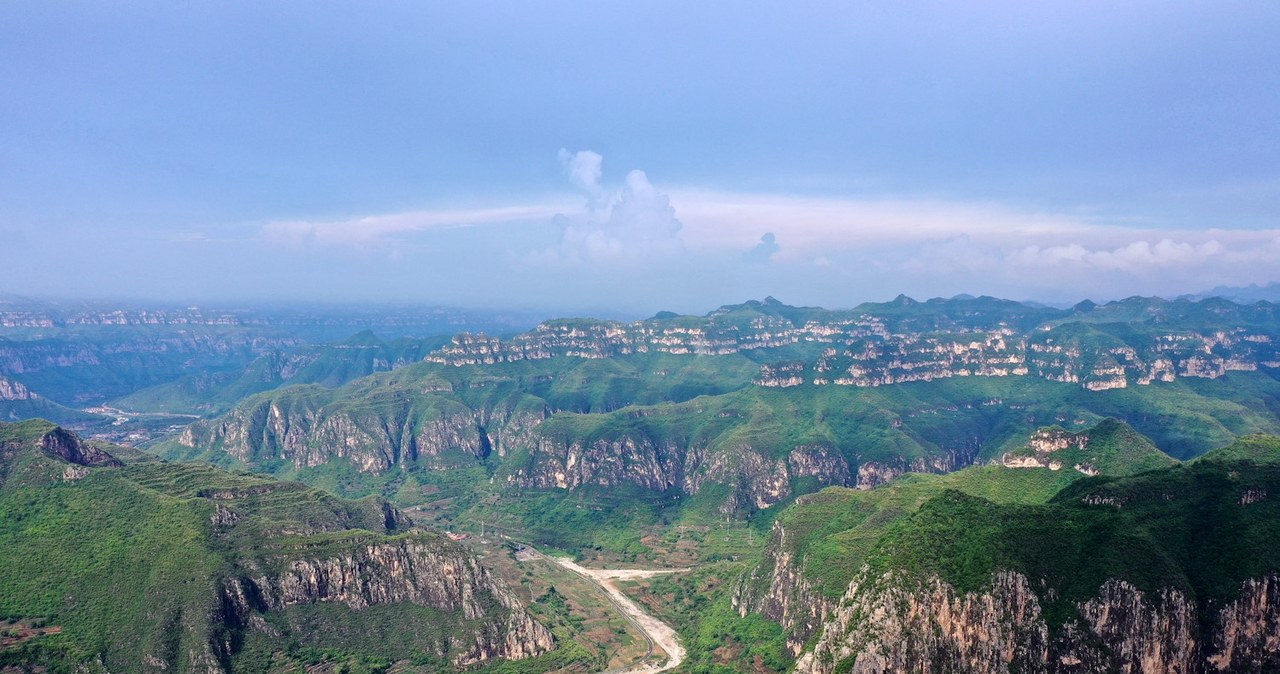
[[619, 158]]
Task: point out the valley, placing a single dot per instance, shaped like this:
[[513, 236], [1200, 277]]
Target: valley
[[655, 337], [731, 492]]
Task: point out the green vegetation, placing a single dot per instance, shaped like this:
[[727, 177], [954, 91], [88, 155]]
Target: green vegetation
[[718, 641], [1256, 448], [328, 365], [42, 408], [1110, 448], [1192, 527], [645, 426], [667, 455], [1202, 527], [833, 531], [131, 562], [466, 481]]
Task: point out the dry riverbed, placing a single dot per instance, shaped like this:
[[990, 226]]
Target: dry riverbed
[[661, 634]]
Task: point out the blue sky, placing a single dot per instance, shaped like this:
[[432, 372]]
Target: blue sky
[[637, 156]]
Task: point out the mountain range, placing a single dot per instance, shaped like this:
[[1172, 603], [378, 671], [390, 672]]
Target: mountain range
[[954, 485]]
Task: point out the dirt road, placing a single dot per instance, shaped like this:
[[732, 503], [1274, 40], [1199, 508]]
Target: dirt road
[[658, 632]]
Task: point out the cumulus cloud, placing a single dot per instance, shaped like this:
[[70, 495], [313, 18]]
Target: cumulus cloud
[[1112, 262], [584, 168], [626, 224], [764, 250], [626, 229]]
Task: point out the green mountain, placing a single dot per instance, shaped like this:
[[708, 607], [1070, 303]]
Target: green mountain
[[964, 484], [17, 402], [989, 570], [328, 365], [143, 565], [744, 409], [1256, 448], [1111, 447], [90, 353]]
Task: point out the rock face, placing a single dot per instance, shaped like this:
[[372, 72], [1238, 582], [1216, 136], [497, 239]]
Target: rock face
[[883, 345], [882, 358], [423, 571], [1042, 450], [70, 448], [777, 590], [14, 390], [875, 473], [892, 624], [225, 565], [756, 480], [1248, 634], [305, 434], [571, 463], [1111, 447]]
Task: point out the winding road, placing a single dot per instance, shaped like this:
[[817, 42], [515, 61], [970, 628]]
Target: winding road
[[657, 632]]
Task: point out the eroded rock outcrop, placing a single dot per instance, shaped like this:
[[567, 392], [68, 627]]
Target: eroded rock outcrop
[[70, 448], [872, 474], [778, 590], [890, 623], [308, 435], [755, 480], [14, 390], [1247, 638], [425, 571]]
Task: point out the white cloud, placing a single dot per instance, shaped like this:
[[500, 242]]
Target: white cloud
[[1137, 256], [622, 226], [375, 229], [764, 250], [941, 238], [928, 244], [813, 225], [584, 168]]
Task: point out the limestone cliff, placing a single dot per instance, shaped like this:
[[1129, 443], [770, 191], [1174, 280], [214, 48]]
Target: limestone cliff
[[875, 473], [878, 348], [210, 571], [14, 390], [755, 480], [70, 448], [426, 571], [307, 435], [891, 624], [1111, 447], [778, 590]]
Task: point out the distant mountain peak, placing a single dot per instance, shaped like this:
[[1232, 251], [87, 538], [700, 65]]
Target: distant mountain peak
[[1110, 447]]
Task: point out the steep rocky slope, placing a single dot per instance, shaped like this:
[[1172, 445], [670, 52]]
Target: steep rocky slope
[[1111, 447], [152, 566], [1097, 348], [758, 446], [818, 544], [1173, 570], [676, 406]]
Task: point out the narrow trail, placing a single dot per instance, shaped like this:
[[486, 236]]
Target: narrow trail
[[658, 633]]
